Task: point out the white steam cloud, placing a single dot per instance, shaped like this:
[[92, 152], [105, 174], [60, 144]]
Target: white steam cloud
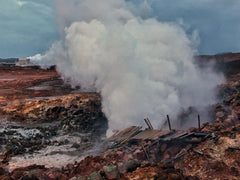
[[141, 67]]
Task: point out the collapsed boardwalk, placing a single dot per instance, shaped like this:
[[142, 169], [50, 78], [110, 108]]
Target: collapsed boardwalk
[[159, 145], [147, 154]]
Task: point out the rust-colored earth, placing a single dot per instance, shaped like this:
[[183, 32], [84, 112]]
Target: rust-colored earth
[[18, 83], [30, 94]]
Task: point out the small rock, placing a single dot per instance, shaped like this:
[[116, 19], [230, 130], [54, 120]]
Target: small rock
[[132, 165], [2, 171], [78, 178], [120, 154], [220, 114], [138, 154], [33, 116], [30, 177], [126, 157], [95, 176], [174, 176], [76, 145], [111, 172]]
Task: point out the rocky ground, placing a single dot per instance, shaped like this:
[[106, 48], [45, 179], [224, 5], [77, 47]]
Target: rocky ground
[[45, 121], [48, 128]]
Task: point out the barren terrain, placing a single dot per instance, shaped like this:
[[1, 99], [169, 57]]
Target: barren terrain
[[44, 117]]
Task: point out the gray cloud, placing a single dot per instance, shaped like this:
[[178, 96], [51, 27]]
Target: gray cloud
[[217, 21], [27, 27]]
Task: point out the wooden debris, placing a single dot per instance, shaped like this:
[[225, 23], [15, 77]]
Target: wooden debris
[[169, 124], [147, 121], [125, 134], [235, 148], [179, 155], [150, 134], [128, 148], [196, 151], [145, 152], [199, 123]]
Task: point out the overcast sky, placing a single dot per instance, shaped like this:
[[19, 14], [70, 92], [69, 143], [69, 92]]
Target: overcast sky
[[28, 27]]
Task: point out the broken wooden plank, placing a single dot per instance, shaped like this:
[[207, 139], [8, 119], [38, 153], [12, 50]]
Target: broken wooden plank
[[196, 151], [185, 136], [150, 134], [120, 136], [200, 134], [169, 123], [132, 133], [173, 135], [179, 155], [145, 152], [235, 148], [148, 123], [199, 123], [151, 127]]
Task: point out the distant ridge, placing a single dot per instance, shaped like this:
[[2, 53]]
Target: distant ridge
[[220, 58], [8, 60]]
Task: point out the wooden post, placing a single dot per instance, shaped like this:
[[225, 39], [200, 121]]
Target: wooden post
[[151, 127], [199, 123], [169, 124], [146, 121], [146, 154]]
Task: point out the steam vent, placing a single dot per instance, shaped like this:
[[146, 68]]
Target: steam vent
[[119, 90], [50, 129]]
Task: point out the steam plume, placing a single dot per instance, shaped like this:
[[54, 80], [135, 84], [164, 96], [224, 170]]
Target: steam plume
[[141, 67]]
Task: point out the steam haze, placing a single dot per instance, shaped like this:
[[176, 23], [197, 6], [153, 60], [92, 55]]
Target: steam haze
[[141, 67]]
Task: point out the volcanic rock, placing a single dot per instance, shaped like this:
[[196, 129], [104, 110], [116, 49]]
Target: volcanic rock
[[132, 165], [111, 172]]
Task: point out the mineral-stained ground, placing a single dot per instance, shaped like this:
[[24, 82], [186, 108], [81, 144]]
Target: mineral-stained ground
[[50, 130]]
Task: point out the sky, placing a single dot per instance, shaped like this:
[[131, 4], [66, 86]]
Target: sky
[[28, 27]]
